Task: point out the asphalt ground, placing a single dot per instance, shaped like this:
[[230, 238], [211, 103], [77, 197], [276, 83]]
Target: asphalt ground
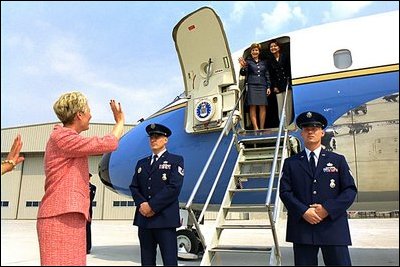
[[115, 243]]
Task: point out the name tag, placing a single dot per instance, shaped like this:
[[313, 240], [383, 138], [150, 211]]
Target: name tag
[[330, 169], [164, 166]]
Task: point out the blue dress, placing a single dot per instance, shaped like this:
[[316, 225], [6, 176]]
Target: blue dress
[[257, 81]]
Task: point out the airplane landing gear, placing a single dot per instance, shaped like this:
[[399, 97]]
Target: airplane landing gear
[[189, 244]]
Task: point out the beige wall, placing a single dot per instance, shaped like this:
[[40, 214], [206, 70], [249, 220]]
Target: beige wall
[[26, 182], [10, 191], [32, 186]]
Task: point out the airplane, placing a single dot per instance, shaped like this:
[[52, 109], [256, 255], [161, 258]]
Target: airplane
[[346, 70]]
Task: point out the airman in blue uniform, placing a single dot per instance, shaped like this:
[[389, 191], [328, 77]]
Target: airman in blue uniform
[[155, 189], [317, 190]]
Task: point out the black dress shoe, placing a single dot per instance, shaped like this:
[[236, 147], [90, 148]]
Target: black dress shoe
[[88, 251]]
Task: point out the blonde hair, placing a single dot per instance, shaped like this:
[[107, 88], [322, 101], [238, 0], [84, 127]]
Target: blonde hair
[[256, 45], [68, 105]]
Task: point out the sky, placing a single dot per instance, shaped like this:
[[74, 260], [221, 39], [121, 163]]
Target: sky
[[125, 51]]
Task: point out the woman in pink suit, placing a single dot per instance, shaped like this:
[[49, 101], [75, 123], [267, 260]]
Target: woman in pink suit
[[64, 209]]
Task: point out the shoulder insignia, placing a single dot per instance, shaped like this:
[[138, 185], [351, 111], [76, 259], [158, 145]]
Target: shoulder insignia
[[180, 170]]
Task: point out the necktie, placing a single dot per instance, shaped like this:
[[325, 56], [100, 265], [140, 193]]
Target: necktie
[[312, 163], [154, 160]]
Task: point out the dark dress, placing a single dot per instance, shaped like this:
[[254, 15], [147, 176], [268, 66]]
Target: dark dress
[[257, 80], [279, 71]]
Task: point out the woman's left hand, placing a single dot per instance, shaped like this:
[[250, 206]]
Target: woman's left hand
[[268, 91]]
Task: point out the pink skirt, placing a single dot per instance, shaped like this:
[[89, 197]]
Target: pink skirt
[[62, 240]]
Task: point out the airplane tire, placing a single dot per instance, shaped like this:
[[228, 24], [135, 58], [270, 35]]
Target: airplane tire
[[187, 239]]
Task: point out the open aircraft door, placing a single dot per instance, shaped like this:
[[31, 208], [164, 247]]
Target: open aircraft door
[[207, 69]]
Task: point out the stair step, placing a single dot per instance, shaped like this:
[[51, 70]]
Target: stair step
[[256, 175], [257, 138], [245, 249], [250, 190], [247, 208], [254, 161], [260, 156], [244, 226], [258, 149]]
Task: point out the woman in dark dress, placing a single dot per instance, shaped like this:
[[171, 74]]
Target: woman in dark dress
[[258, 85], [279, 70]]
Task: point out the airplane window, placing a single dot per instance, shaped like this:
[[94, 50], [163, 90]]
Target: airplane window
[[342, 59]]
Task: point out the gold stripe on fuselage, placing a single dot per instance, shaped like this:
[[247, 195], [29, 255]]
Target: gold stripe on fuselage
[[169, 109], [346, 74], [312, 79]]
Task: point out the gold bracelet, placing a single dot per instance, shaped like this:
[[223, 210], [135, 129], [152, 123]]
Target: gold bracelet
[[9, 161]]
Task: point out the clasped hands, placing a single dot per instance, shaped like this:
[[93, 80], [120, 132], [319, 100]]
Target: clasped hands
[[315, 214], [146, 210]]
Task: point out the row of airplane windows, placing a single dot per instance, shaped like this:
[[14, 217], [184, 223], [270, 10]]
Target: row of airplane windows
[[94, 203]]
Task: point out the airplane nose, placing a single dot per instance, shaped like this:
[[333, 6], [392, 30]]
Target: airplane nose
[[104, 173]]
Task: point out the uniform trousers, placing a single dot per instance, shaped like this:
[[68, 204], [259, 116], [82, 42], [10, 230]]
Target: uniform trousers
[[332, 255], [62, 240], [165, 238]]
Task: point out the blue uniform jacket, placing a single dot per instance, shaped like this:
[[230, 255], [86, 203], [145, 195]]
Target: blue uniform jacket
[[256, 72], [159, 185], [332, 186]]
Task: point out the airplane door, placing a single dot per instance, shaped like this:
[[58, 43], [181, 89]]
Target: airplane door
[[207, 69]]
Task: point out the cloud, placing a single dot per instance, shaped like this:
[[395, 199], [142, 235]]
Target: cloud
[[282, 15], [60, 64], [16, 41], [64, 58], [344, 9], [138, 101], [239, 8]]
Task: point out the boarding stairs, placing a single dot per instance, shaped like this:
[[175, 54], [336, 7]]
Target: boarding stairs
[[251, 176], [256, 172]]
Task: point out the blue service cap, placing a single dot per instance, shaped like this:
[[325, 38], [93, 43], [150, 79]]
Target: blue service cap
[[311, 119], [159, 129]]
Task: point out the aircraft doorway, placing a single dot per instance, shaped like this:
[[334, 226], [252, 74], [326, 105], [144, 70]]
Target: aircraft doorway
[[272, 110]]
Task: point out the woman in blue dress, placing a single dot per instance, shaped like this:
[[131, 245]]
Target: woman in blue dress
[[258, 85]]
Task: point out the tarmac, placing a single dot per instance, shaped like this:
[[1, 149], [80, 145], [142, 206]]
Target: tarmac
[[115, 243]]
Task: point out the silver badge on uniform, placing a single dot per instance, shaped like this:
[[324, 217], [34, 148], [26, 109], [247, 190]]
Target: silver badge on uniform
[[332, 184], [139, 170], [164, 177]]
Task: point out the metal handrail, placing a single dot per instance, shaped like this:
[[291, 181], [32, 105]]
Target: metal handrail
[[216, 180], [282, 124], [188, 206], [223, 132], [284, 156]]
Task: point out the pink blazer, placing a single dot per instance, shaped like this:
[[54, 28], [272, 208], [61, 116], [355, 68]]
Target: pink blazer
[[67, 170]]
